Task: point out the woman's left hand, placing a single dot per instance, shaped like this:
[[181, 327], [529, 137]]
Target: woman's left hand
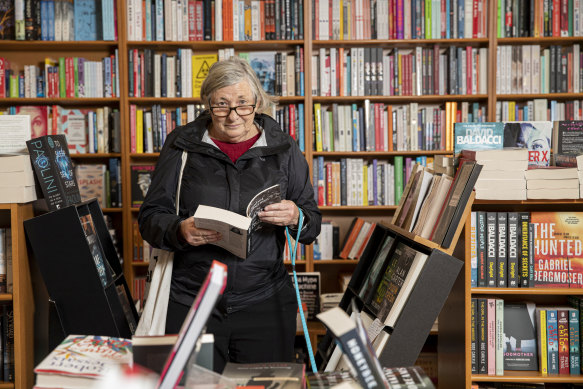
[[285, 213]]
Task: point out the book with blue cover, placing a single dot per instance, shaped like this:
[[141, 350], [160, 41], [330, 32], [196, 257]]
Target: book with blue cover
[[478, 136], [263, 62], [86, 20]]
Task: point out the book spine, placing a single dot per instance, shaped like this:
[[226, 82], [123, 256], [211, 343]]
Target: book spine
[[482, 336], [474, 337], [513, 250], [563, 331], [491, 247], [542, 322], [481, 244], [524, 219], [552, 342], [491, 323], [502, 257], [574, 343]]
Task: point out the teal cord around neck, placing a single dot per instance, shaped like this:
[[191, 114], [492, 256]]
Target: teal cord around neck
[[293, 251]]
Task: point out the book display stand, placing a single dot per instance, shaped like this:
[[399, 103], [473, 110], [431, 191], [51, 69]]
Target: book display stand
[[432, 285], [82, 271]]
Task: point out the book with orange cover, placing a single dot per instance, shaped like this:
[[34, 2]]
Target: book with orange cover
[[351, 237], [365, 241]]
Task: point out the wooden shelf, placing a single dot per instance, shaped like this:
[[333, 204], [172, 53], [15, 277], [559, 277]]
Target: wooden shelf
[[358, 208], [214, 45], [196, 100], [389, 43], [527, 202], [95, 155], [67, 101], [548, 96], [543, 41], [5, 296], [377, 154], [12, 45], [6, 385], [528, 291], [528, 377], [140, 264], [398, 99], [335, 262]]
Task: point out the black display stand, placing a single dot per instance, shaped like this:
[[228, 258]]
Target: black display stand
[[89, 299], [427, 297]]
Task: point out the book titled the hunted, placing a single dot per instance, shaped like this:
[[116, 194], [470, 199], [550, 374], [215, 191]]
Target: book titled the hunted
[[54, 170]]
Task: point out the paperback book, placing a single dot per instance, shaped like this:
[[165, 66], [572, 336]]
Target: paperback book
[[534, 136], [237, 230], [478, 136]]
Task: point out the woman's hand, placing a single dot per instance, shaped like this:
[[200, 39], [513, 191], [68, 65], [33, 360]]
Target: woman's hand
[[197, 236], [285, 213]]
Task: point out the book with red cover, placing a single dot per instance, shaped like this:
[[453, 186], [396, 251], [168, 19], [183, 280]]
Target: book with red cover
[[205, 301], [558, 252], [563, 327], [351, 237]]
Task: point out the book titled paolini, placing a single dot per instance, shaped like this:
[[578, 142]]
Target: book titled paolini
[[54, 170]]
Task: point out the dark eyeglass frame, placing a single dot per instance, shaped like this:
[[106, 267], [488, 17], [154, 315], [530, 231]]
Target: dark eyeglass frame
[[212, 108]]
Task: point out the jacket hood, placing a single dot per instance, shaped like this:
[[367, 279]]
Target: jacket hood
[[189, 137]]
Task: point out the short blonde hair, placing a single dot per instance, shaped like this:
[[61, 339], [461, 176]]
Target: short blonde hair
[[232, 71]]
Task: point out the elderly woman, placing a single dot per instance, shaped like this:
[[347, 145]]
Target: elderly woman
[[234, 152]]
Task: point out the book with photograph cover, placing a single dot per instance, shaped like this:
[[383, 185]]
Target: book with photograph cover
[[104, 270], [263, 63], [237, 230], [536, 137], [520, 340], [558, 252], [478, 136], [54, 170], [141, 176]]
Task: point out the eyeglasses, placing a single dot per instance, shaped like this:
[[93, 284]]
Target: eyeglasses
[[241, 110]]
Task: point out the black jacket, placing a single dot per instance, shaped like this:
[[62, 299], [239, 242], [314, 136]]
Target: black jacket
[[211, 178]]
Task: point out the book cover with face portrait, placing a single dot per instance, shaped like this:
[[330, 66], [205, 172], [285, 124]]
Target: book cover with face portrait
[[534, 136]]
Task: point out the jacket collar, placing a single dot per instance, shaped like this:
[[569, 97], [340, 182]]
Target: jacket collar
[[191, 136]]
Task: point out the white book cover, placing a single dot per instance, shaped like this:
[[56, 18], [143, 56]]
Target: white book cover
[[291, 76], [474, 63], [171, 76], [283, 73], [360, 74], [255, 20], [235, 20], [535, 69], [414, 125], [179, 14], [323, 22], [336, 19], [348, 128], [354, 72], [464, 79], [138, 21], [149, 134], [499, 69], [322, 67], [468, 18], [316, 77], [483, 76], [576, 65], [333, 71], [526, 69], [157, 74]]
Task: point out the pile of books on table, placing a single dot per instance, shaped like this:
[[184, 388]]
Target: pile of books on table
[[16, 179]]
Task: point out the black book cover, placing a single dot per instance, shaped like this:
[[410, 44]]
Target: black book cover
[[482, 336], [54, 170], [502, 257], [553, 71], [456, 202], [7, 20], [481, 249], [513, 250], [520, 341], [474, 336], [141, 176], [491, 248], [531, 255], [524, 220]]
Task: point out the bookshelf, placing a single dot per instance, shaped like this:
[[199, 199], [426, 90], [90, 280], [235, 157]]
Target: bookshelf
[[33, 52], [21, 298], [455, 318]]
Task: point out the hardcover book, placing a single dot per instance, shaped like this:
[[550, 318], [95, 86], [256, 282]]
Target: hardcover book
[[201, 63], [206, 299], [567, 142], [141, 179], [91, 180], [520, 341], [534, 136], [54, 170], [263, 63], [557, 249], [82, 359], [478, 136], [237, 230]]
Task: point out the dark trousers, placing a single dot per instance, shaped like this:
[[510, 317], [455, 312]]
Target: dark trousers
[[264, 332]]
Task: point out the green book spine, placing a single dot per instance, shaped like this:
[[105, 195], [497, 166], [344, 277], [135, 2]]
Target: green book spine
[[14, 85], [500, 18], [398, 178], [428, 30], [62, 78], [76, 75]]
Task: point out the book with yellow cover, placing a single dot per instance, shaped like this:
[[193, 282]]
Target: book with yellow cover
[[201, 63]]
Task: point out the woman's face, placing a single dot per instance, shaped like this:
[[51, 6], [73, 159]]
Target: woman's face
[[233, 128]]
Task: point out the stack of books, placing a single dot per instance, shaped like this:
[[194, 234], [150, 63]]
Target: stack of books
[[16, 179], [503, 173], [552, 183]]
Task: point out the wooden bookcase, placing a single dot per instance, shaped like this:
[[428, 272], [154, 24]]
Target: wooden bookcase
[[454, 350], [34, 52], [21, 298]]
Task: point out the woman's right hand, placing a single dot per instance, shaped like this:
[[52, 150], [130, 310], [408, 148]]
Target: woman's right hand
[[197, 236]]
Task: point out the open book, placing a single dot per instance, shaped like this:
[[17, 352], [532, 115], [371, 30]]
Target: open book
[[236, 229]]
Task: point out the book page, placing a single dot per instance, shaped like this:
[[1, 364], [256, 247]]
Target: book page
[[14, 131], [232, 227], [262, 199]]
